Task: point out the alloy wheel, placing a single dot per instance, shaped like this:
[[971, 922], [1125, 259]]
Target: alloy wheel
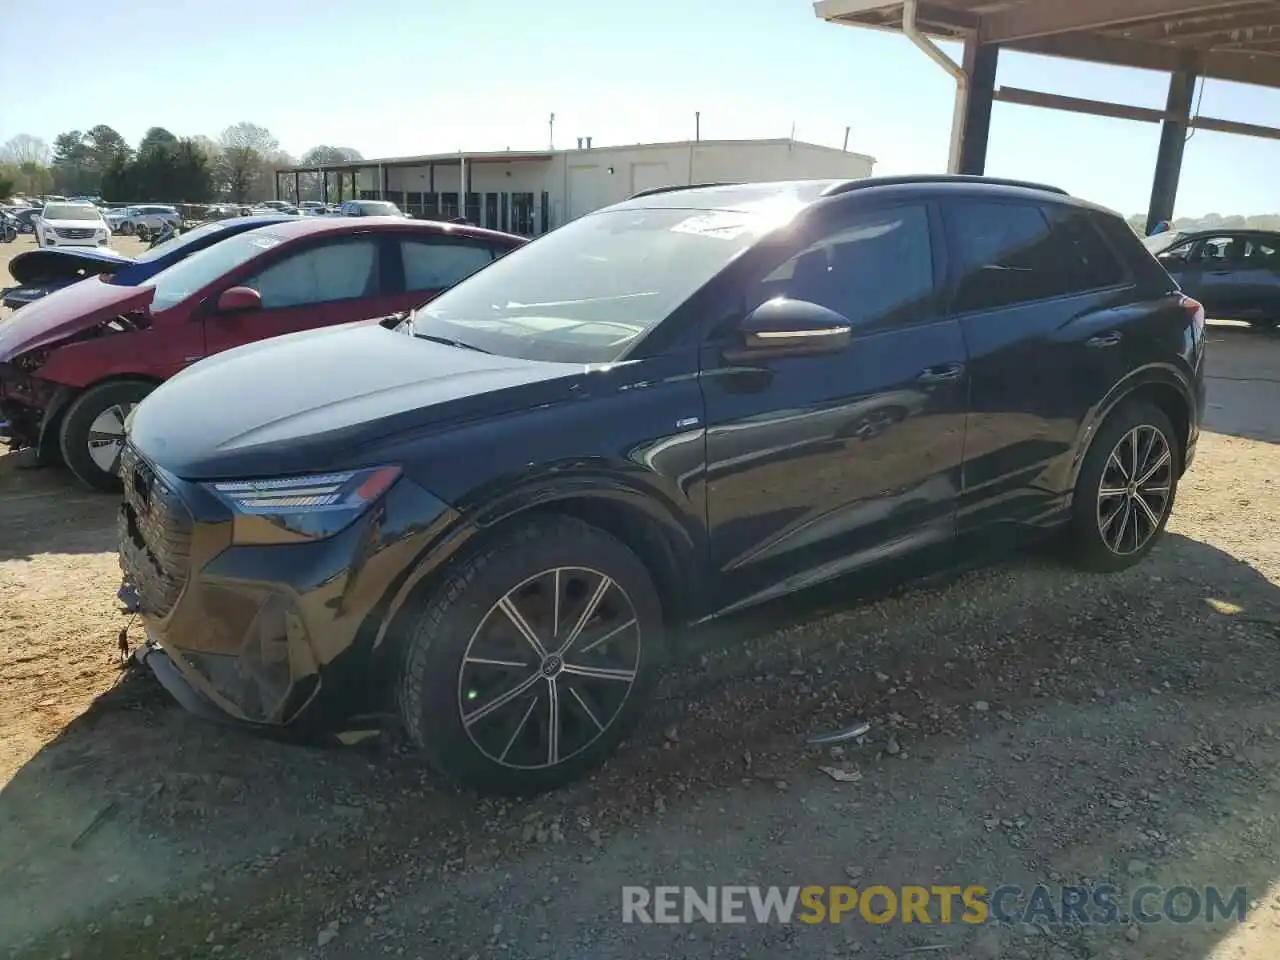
[[549, 668], [1134, 492], [106, 437]]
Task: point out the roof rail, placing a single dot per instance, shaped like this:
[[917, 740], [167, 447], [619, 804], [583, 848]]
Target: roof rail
[[683, 186], [868, 182]]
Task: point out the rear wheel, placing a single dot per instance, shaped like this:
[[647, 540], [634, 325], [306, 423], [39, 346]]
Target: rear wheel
[[92, 432], [1126, 488], [532, 660]]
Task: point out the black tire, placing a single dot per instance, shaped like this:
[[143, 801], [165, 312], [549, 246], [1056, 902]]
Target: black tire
[[74, 432], [1095, 540], [463, 610]]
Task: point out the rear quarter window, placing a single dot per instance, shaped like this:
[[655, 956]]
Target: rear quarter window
[[1091, 262], [1145, 268]]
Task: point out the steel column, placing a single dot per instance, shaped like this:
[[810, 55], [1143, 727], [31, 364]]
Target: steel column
[[980, 62], [1173, 137]]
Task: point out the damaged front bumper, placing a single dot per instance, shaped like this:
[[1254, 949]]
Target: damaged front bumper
[[284, 637], [29, 409]]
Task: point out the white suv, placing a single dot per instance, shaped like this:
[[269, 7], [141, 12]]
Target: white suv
[[71, 225]]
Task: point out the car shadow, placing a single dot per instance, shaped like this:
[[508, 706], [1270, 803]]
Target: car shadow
[[44, 510], [134, 798]]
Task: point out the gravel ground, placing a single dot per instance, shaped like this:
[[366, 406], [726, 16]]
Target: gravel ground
[[1030, 724]]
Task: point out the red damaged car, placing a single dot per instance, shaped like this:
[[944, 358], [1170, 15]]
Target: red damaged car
[[73, 364]]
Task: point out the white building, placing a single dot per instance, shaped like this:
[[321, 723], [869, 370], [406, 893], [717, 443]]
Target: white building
[[532, 192]]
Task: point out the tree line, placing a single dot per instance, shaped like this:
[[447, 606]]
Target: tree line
[[1213, 221], [164, 167]]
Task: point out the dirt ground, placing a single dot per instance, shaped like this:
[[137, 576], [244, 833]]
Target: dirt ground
[[1030, 724]]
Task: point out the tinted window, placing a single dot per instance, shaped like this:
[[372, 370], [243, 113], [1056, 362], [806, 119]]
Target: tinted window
[[343, 270], [877, 268], [1005, 255], [1177, 253], [1091, 265], [434, 265], [1262, 252]]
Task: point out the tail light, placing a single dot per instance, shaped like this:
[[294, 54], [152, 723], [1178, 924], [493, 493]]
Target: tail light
[[1196, 309]]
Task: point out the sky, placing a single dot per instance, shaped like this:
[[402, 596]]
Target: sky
[[403, 77]]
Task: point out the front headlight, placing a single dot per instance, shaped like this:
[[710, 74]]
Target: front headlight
[[313, 507]]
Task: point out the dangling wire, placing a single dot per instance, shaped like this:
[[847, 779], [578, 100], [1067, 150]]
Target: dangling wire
[[1195, 112]]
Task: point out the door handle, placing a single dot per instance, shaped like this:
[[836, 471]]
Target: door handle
[[1104, 340], [941, 373], [1220, 273]]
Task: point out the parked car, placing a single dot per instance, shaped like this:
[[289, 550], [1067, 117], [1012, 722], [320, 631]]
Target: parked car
[[71, 225], [26, 218], [142, 219], [73, 364], [675, 407], [1234, 273], [369, 208], [40, 272], [115, 217]]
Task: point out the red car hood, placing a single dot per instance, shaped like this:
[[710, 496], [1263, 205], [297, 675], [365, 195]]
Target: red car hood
[[65, 313]]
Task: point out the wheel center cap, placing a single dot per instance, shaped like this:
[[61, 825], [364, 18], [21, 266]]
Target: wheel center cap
[[1133, 489], [552, 665]]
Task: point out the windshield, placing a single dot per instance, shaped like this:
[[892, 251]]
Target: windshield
[[174, 245], [587, 292], [174, 284], [1161, 241], [379, 208], [70, 211]]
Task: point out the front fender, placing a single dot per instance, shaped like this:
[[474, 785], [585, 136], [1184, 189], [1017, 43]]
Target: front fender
[[488, 509], [47, 444]]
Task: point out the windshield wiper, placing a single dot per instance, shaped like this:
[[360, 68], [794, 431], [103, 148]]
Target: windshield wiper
[[451, 343]]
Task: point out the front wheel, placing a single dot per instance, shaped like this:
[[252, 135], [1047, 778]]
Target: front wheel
[[532, 660], [92, 433], [1125, 491]]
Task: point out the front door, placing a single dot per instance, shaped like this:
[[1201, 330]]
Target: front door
[[821, 465], [334, 281], [1204, 269]]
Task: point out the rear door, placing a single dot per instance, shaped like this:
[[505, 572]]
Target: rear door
[[823, 465], [334, 280], [426, 265], [1041, 299]]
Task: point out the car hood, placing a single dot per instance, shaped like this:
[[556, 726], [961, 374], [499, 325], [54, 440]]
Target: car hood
[[312, 400], [66, 312], [34, 265]]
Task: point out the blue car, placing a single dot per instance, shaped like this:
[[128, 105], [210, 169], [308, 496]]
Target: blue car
[[40, 272]]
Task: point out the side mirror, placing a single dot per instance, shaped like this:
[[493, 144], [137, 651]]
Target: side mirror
[[790, 328], [238, 299]]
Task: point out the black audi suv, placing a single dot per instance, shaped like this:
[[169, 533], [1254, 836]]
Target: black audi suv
[[494, 520]]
